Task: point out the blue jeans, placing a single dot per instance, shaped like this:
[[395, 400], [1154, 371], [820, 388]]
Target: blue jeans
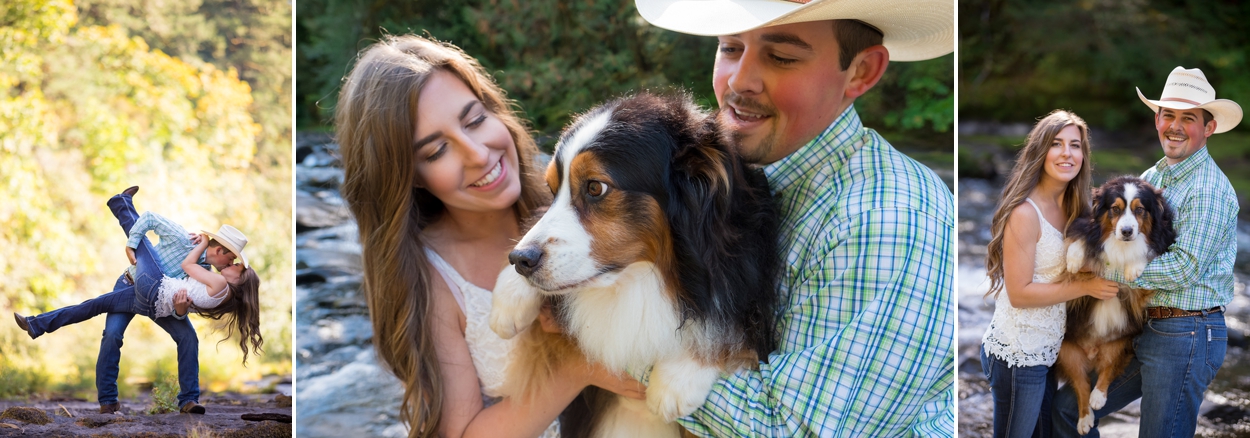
[[122, 304], [1022, 397], [1176, 359]]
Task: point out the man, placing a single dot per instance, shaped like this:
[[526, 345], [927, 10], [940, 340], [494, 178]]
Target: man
[[174, 246], [1185, 340], [866, 322]]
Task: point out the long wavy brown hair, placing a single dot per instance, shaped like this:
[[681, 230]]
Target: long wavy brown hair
[[1024, 177], [375, 122], [241, 312]]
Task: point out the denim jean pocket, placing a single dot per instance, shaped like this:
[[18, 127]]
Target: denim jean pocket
[[1217, 346], [1173, 327]]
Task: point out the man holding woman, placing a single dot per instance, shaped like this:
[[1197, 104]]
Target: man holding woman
[[164, 282]]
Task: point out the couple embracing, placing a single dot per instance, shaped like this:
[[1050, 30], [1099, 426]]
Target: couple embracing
[[165, 282], [1184, 341], [440, 173]]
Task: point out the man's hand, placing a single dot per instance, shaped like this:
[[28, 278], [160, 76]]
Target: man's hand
[[181, 302], [130, 254]]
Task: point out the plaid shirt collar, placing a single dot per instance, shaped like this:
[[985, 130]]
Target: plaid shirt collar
[[1170, 175], [833, 147]]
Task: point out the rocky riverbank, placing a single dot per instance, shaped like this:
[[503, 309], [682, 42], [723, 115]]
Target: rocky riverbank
[[342, 390]]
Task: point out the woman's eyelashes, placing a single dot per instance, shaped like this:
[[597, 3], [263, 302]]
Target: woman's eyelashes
[[442, 146]]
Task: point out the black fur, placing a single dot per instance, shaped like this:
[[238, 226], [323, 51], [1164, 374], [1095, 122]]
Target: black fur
[[724, 238], [1089, 228]]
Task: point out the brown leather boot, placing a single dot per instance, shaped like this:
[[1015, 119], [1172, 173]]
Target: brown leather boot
[[192, 408], [25, 326], [131, 191], [111, 408]]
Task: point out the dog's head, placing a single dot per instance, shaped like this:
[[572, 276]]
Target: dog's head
[[619, 174], [1130, 209]]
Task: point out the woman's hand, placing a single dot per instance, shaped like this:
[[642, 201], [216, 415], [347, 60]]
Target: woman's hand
[[1100, 288], [195, 238], [620, 384], [181, 302], [130, 254]]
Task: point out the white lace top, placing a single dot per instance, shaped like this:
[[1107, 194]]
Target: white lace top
[[488, 350], [1031, 337], [196, 291]]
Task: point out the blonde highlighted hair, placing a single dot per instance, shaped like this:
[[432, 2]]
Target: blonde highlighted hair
[[375, 122], [1024, 177]]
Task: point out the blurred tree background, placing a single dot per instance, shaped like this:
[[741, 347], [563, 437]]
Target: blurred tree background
[[189, 100], [1020, 60], [557, 59]]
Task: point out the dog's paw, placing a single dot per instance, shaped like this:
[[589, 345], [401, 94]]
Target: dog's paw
[[514, 304], [1086, 423], [1131, 272], [1076, 257], [679, 387], [1097, 399]]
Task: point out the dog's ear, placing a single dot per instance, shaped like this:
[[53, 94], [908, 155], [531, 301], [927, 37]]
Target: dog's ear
[[1166, 231]]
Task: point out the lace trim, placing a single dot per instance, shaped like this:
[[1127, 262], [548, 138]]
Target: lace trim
[[488, 350], [1031, 337]]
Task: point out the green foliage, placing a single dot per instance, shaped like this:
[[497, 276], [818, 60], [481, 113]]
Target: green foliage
[[1019, 60], [557, 59], [164, 395]]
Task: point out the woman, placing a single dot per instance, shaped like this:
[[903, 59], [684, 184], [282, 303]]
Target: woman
[[1049, 187], [439, 174]]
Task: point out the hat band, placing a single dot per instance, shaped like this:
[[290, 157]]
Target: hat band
[[1177, 99]]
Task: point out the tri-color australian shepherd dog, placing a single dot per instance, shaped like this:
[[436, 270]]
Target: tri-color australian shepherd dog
[[661, 246], [1131, 225]]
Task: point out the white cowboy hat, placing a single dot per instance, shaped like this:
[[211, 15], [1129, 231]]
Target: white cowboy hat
[[1189, 89], [914, 30], [233, 239]]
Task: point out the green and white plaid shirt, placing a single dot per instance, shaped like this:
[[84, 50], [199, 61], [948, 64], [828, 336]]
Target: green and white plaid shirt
[[867, 321], [174, 245], [1197, 271]]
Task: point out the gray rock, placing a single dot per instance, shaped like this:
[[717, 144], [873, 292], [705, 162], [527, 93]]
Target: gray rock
[[359, 399], [320, 209]]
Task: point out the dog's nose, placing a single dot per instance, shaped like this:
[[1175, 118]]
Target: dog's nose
[[526, 260], [1126, 232]]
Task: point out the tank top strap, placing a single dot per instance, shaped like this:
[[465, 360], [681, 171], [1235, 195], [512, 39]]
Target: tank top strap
[[449, 274], [1037, 209], [1045, 223]]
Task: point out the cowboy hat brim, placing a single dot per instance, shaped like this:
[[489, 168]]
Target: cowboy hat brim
[[923, 29], [230, 246], [1226, 112]]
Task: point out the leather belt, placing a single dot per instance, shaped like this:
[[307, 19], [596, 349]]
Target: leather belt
[[1172, 312]]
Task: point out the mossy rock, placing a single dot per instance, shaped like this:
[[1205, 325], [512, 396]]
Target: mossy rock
[[267, 429], [26, 415]]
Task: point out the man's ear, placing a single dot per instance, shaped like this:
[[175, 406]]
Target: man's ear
[[867, 68], [1209, 130]]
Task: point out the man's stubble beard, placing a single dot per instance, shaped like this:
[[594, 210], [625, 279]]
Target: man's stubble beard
[[753, 155]]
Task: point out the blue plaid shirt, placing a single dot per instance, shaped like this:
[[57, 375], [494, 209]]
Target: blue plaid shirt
[[173, 247], [867, 320], [1197, 271]]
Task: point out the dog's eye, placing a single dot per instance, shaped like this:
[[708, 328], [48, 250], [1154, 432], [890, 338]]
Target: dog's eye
[[1139, 211], [1115, 211], [596, 189]]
